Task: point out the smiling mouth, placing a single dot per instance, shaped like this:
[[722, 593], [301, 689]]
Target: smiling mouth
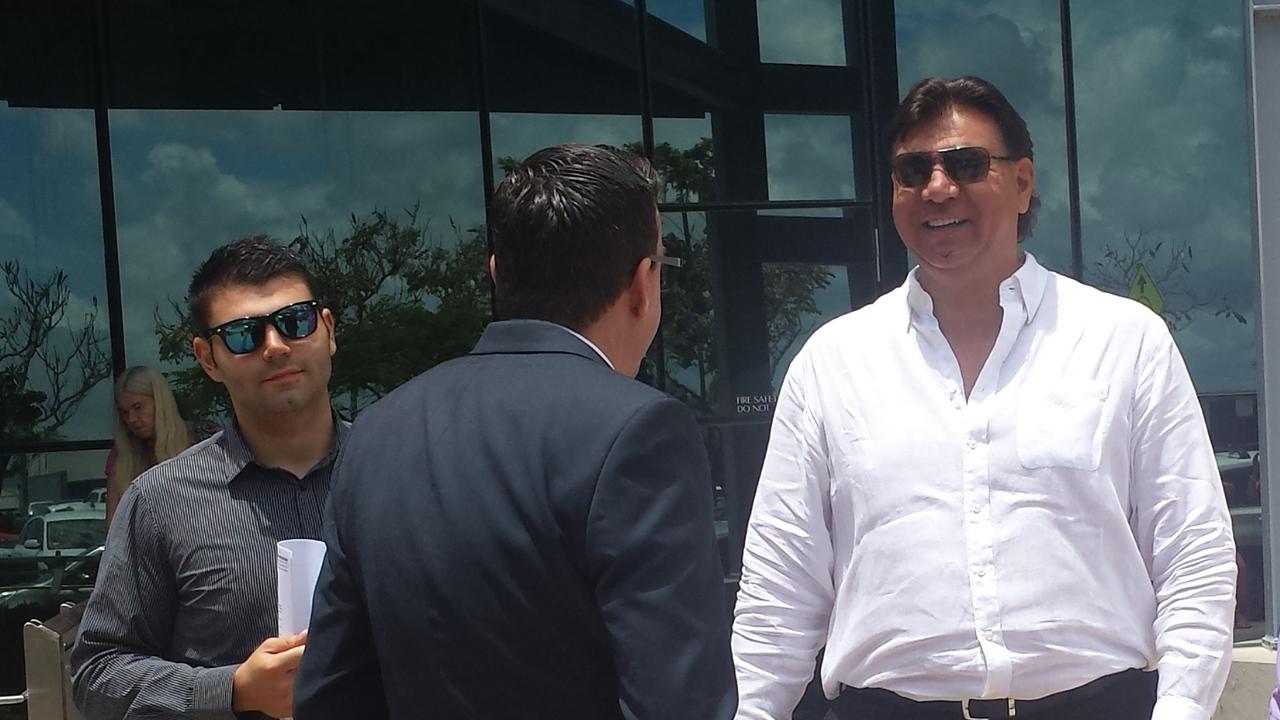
[[944, 223]]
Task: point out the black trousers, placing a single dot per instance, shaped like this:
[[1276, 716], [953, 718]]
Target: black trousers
[[1130, 695]]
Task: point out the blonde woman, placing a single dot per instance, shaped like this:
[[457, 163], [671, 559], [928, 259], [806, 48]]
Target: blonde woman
[[148, 429]]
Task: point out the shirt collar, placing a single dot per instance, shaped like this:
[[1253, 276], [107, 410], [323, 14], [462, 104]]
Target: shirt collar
[[590, 344], [239, 456], [1026, 285]]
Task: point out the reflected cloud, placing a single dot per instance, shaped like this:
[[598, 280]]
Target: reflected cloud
[[188, 182], [803, 32], [809, 157]]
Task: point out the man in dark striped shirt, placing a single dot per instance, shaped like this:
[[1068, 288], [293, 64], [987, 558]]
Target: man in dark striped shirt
[[182, 622]]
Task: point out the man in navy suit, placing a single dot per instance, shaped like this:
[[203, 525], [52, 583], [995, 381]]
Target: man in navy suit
[[526, 531]]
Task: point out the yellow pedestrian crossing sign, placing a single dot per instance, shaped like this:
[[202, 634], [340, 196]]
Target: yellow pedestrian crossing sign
[[1143, 289]]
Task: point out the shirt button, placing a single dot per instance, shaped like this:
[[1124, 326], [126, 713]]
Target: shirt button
[[982, 573], [976, 510], [988, 635], [971, 444]]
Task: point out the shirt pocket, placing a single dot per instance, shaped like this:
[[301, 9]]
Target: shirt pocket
[[1061, 427]]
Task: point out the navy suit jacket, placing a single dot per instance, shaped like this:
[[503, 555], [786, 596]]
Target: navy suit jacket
[[520, 533]]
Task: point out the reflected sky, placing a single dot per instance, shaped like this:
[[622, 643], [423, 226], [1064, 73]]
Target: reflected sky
[[809, 157], [51, 220], [802, 32], [189, 181], [518, 135]]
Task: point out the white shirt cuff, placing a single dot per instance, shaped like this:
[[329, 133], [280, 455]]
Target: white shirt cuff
[[1174, 707]]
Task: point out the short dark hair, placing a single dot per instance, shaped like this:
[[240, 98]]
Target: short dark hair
[[932, 98], [569, 225], [248, 261]]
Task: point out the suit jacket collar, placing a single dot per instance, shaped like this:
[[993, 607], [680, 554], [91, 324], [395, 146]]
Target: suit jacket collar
[[532, 336]]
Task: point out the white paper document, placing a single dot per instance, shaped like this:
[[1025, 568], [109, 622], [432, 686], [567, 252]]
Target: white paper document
[[297, 569]]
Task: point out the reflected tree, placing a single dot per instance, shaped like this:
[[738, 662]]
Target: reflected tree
[[791, 306], [1169, 265], [403, 300], [52, 354]]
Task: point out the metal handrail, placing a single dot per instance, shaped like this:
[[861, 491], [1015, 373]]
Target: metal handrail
[[13, 699]]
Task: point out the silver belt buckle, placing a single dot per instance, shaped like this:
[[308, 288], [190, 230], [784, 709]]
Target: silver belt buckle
[[964, 707]]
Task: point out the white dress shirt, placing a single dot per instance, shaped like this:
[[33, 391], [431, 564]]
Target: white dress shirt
[[1064, 523]]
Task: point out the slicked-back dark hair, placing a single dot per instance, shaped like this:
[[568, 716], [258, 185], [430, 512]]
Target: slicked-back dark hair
[[569, 225], [248, 261], [932, 98]]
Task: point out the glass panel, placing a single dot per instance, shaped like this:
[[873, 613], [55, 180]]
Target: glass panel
[[687, 15], [807, 32], [799, 297], [1189, 227], [352, 189], [54, 338], [809, 157], [1179, 238], [1017, 46], [31, 485], [683, 158], [713, 100], [689, 313]]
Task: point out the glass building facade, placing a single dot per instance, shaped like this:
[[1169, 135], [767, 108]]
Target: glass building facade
[[138, 136]]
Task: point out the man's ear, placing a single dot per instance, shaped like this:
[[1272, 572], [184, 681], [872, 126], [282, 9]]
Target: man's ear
[[326, 316], [493, 268], [1026, 179], [640, 294], [203, 351]]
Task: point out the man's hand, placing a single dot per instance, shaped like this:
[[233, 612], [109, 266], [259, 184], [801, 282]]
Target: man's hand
[[264, 681]]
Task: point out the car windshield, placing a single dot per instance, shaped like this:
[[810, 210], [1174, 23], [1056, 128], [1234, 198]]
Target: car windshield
[[76, 533]]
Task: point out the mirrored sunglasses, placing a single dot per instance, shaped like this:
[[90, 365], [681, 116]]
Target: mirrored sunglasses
[[244, 335]]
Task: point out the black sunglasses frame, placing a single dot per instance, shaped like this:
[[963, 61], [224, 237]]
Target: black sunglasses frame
[[952, 161], [258, 328]]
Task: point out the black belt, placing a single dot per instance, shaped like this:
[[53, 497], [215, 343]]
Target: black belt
[[997, 709]]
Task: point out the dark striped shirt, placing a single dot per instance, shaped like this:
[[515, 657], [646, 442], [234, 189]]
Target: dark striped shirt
[[187, 586]]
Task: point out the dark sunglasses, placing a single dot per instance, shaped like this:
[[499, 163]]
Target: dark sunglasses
[[963, 164], [246, 334]]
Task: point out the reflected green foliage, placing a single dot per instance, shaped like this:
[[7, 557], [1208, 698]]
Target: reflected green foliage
[[51, 356], [790, 305], [688, 317], [686, 175], [403, 301], [1169, 263]]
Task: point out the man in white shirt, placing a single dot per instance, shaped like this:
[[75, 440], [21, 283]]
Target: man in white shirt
[[990, 493]]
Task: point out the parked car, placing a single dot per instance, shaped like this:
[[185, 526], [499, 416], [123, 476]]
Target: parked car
[[46, 587], [66, 532]]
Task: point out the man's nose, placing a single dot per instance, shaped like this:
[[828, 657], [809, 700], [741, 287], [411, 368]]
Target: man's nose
[[273, 343], [940, 185]]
